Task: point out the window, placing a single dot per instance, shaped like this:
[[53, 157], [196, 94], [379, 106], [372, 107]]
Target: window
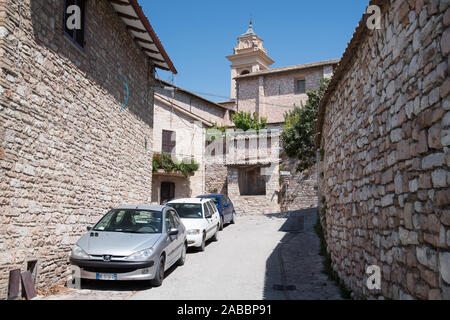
[[215, 200], [75, 21], [206, 210], [171, 221], [212, 207], [168, 141], [168, 221], [300, 86], [176, 219]]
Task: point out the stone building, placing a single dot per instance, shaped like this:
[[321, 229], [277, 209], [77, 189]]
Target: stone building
[[69, 149], [252, 164], [384, 132], [270, 93], [181, 120]]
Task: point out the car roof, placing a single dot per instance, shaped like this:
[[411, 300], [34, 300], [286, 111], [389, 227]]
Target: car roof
[[152, 207], [189, 200], [210, 195]]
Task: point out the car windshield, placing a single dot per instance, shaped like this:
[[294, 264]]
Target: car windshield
[[188, 210], [130, 221]]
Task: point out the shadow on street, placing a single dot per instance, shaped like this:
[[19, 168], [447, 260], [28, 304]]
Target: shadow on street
[[294, 268]]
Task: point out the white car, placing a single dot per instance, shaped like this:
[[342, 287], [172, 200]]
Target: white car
[[201, 219]]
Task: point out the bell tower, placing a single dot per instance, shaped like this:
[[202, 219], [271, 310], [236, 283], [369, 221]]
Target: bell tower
[[248, 56]]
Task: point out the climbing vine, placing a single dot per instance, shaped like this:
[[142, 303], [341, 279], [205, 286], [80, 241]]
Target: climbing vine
[[299, 128]]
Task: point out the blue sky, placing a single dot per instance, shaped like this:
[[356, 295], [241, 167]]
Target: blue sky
[[198, 34]]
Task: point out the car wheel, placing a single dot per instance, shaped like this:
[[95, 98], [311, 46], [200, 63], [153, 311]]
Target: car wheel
[[233, 221], [159, 276], [216, 235], [203, 245], [182, 259], [221, 224]]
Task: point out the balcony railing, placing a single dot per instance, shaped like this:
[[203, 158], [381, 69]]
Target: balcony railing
[[245, 148]]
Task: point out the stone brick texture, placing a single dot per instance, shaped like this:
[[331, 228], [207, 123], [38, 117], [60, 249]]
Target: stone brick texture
[[190, 144], [68, 153], [386, 139], [299, 191], [183, 186], [216, 178], [251, 205], [203, 108], [272, 95], [244, 150]]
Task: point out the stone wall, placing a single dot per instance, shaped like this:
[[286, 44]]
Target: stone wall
[[386, 137], [250, 147], [190, 138], [183, 186], [272, 95], [299, 191], [244, 149], [201, 107], [254, 204], [69, 153], [190, 144], [216, 178]]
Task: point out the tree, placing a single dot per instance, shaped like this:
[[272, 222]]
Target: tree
[[298, 130], [244, 121]]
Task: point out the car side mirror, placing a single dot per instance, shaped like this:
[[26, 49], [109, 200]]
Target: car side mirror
[[173, 232], [89, 227]]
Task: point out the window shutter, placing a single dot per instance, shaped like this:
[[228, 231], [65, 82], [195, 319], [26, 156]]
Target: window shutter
[[168, 141]]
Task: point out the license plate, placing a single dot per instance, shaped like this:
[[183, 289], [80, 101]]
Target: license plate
[[106, 276]]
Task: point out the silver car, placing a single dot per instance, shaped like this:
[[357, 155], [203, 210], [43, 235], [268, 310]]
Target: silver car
[[132, 243]]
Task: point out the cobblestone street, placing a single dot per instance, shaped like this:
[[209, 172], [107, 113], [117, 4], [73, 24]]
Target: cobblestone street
[[254, 259]]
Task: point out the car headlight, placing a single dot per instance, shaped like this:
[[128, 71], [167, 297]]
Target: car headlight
[[193, 232], [79, 253], [140, 255]]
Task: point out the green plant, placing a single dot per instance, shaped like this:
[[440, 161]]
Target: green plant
[[245, 121], [156, 161], [164, 161], [323, 209], [299, 129]]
